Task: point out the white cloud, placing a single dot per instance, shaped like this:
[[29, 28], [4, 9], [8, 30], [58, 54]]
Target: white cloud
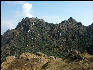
[[26, 9], [8, 24], [11, 23]]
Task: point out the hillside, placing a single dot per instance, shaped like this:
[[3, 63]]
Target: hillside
[[59, 40], [40, 61]]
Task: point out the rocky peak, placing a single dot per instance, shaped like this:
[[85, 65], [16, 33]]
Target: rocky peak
[[92, 24], [79, 23], [71, 20]]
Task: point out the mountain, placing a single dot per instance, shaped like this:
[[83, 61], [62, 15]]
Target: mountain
[[35, 35]]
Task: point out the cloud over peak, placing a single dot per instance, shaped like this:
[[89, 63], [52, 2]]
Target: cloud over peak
[[26, 9]]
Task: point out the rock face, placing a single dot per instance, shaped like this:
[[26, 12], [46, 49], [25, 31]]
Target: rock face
[[35, 35], [40, 61]]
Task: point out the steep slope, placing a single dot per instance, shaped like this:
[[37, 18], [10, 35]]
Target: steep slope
[[36, 35]]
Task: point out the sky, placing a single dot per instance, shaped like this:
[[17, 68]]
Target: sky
[[13, 12]]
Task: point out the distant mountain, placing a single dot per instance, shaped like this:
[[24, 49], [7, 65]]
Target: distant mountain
[[36, 35]]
